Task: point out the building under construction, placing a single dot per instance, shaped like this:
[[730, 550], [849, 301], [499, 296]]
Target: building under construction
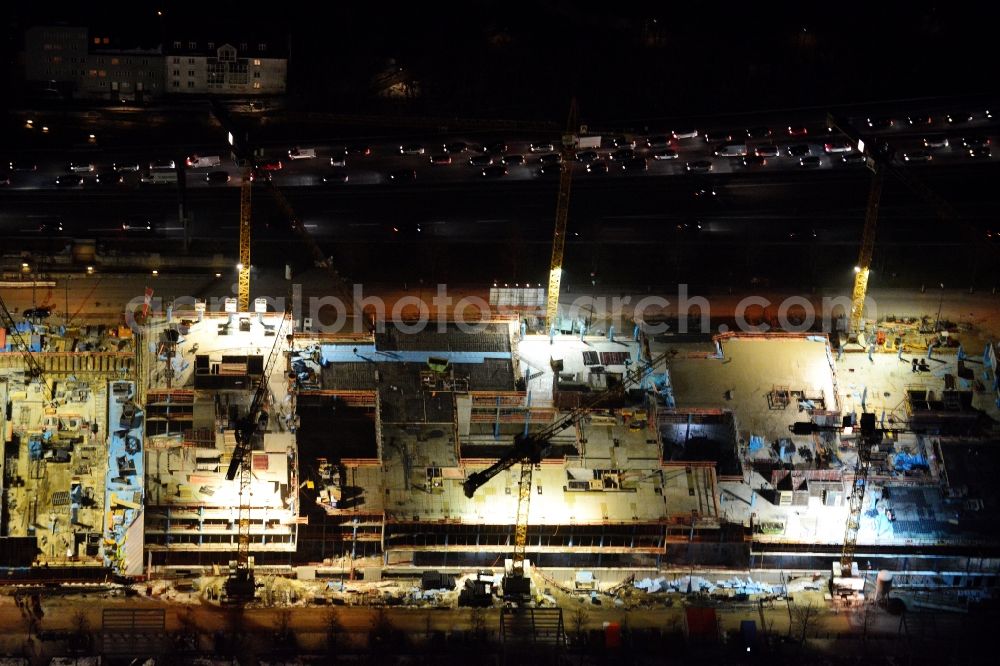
[[116, 459]]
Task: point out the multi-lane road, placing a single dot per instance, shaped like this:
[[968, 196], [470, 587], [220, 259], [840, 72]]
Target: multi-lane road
[[770, 222]]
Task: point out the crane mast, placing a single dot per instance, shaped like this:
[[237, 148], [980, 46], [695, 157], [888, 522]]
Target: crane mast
[[562, 218]]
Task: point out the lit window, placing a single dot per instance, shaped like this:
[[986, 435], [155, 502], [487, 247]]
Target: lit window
[[256, 62], [102, 73], [262, 46], [97, 40], [106, 40], [256, 84], [177, 45], [192, 45], [114, 61], [92, 72]]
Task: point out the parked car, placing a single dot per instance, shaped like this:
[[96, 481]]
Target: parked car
[[731, 150], [217, 177], [203, 161], [958, 117], [853, 158], [23, 165], [335, 177], [481, 160], [137, 225], [797, 130], [108, 177], [37, 313], [622, 154], [658, 141], [975, 141], [881, 123], [411, 149], [599, 166], [512, 159], [920, 119], [69, 180], [495, 148], [797, 150], [272, 165], [750, 161], [622, 142], [455, 147], [495, 171], [698, 166], [810, 161], [440, 158], [126, 166], [402, 176], [837, 147], [298, 153], [586, 156], [686, 133], [758, 132], [550, 158], [980, 152], [665, 154], [80, 167], [766, 150], [917, 156], [634, 164], [935, 142], [541, 147]]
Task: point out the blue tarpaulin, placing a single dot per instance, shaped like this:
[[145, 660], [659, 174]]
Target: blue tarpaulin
[[906, 461], [756, 443]]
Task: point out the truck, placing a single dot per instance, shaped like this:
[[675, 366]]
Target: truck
[[203, 161], [588, 142]]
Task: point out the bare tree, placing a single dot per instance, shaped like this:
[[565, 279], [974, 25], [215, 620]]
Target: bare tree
[[477, 623], [334, 630], [802, 619], [578, 621]]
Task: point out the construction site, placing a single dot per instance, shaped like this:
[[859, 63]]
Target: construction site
[[511, 462]]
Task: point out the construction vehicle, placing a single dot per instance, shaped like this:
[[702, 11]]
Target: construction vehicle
[[528, 450]]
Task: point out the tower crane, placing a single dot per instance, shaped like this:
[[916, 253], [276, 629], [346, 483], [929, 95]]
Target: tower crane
[[871, 436], [246, 156], [240, 586], [528, 450], [562, 217], [881, 161], [34, 368]]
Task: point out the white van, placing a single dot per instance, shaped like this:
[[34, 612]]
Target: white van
[[297, 153], [203, 161], [731, 150]]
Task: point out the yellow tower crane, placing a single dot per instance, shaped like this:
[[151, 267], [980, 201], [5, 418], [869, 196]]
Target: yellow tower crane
[[246, 188], [562, 217]]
